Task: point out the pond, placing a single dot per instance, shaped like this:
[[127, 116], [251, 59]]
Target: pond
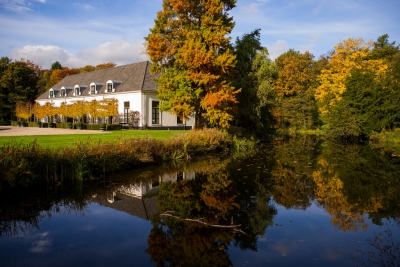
[[302, 202]]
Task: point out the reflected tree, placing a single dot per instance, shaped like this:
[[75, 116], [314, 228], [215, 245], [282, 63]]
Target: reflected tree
[[355, 180], [201, 217]]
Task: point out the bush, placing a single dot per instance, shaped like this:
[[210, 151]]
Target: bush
[[114, 127]]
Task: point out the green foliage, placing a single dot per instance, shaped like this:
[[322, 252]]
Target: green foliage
[[366, 106], [254, 72], [383, 49], [18, 83], [56, 66]]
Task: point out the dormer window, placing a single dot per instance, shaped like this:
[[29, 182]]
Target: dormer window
[[112, 85], [109, 87], [78, 88], [95, 88], [62, 93], [53, 92]]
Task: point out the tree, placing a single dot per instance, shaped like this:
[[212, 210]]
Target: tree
[[383, 49], [254, 72], [295, 88], [18, 83], [189, 46], [23, 110], [39, 111], [56, 66], [367, 105], [104, 66], [348, 55]]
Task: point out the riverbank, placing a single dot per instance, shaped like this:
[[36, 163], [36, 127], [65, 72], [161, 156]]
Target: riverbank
[[61, 138], [388, 140], [25, 164]]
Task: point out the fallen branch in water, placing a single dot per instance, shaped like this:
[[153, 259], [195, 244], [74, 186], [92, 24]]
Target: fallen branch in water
[[234, 227]]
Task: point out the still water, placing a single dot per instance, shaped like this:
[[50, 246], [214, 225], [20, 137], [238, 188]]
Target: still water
[[299, 203]]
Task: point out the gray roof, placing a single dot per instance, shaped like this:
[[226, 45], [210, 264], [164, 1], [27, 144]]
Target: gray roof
[[143, 208], [134, 77]]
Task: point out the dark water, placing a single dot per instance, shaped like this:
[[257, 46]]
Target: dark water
[[299, 203]]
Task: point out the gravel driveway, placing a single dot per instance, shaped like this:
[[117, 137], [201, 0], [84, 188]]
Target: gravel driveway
[[21, 131]]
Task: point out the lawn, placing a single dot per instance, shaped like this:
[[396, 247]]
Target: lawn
[[58, 141]]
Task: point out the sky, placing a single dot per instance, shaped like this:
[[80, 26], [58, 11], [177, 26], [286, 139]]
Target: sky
[[80, 33]]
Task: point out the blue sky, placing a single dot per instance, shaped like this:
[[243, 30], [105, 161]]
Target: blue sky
[[92, 32]]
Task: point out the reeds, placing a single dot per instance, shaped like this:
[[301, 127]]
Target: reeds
[[31, 164]]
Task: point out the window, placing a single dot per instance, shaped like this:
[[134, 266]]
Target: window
[[109, 87], [62, 93], [93, 89], [178, 120], [155, 112], [76, 91], [51, 94], [126, 112]]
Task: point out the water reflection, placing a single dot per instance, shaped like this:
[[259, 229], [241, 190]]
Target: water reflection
[[208, 214], [354, 180], [200, 210]]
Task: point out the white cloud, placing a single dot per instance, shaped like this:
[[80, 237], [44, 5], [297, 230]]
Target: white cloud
[[250, 9], [118, 51], [277, 49], [16, 5], [84, 6], [42, 245], [311, 44]]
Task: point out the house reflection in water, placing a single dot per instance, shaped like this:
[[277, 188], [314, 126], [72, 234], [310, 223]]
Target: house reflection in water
[[140, 199]]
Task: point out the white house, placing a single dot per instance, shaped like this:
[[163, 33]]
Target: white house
[[132, 85]]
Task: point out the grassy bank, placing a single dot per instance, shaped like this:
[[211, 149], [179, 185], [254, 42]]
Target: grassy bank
[[25, 164], [388, 140], [63, 141]]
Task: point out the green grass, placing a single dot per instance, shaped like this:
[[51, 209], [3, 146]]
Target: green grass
[[60, 141]]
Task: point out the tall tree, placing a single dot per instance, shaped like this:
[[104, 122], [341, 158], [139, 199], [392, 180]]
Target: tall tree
[[383, 49], [295, 88], [348, 55], [189, 46], [18, 83], [254, 72]]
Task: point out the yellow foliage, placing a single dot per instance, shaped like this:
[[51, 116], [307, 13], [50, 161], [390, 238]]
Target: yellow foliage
[[348, 55], [23, 110]]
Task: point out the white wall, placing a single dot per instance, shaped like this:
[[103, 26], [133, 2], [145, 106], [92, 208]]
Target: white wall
[[138, 101], [166, 118]]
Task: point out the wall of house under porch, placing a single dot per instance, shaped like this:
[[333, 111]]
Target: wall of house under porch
[[166, 120]]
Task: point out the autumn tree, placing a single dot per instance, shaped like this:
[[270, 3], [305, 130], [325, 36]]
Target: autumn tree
[[189, 46], [348, 55], [295, 88], [105, 66], [39, 111], [23, 110]]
